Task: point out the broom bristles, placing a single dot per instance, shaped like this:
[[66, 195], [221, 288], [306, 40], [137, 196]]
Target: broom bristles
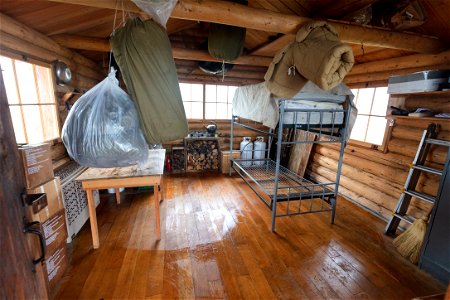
[[409, 243]]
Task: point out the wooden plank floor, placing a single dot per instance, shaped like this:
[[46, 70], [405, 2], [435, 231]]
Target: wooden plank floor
[[216, 243]]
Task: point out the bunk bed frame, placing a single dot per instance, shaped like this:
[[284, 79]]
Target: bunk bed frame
[[277, 186]]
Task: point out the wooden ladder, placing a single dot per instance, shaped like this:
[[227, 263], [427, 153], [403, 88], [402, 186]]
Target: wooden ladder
[[417, 166]]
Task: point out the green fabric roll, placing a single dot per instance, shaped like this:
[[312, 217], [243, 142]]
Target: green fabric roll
[[225, 42], [143, 52]]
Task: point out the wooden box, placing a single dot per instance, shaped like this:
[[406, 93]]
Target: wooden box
[[36, 164], [225, 160]]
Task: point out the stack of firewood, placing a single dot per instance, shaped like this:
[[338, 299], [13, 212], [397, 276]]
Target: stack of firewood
[[178, 159], [202, 155]]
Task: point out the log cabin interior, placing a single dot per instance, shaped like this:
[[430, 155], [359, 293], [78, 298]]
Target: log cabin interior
[[224, 212]]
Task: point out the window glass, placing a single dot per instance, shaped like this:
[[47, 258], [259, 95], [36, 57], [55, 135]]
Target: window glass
[[26, 82], [380, 102], [17, 120], [359, 129], [217, 101], [9, 80], [31, 98], [192, 95], [210, 93], [33, 123], [365, 97], [371, 123], [375, 130], [197, 110]]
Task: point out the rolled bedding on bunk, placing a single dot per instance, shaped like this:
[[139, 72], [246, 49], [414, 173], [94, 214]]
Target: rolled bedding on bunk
[[282, 78], [143, 52], [320, 56]]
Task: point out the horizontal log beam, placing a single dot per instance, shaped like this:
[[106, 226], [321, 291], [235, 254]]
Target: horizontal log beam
[[361, 73], [23, 32], [15, 44], [229, 13], [189, 54], [384, 75], [410, 61], [82, 42], [102, 45]]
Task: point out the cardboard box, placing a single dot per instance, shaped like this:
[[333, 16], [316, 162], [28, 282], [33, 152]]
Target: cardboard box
[[36, 164], [225, 160], [53, 191], [55, 231], [56, 265]]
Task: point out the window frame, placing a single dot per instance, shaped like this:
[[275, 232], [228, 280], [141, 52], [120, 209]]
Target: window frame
[[36, 62], [383, 146], [204, 84]]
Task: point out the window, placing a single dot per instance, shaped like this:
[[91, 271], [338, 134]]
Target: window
[[192, 95], [210, 102], [218, 101], [31, 98], [371, 122]]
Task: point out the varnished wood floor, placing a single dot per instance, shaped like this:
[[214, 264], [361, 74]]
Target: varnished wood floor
[[216, 243]]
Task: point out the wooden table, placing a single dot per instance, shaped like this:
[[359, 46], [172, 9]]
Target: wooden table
[[102, 178]]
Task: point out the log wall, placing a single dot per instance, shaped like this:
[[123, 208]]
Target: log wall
[[373, 179], [223, 130], [22, 42]]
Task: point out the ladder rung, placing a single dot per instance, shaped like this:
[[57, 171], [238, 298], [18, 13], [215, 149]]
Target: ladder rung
[[438, 142], [428, 169], [407, 218], [422, 196]]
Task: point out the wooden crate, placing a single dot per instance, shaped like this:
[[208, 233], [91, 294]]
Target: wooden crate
[[178, 159], [225, 160], [202, 154]]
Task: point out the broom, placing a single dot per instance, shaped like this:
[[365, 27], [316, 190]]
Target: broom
[[410, 242]]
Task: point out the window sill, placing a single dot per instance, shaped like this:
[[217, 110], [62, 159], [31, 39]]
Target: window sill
[[365, 145]]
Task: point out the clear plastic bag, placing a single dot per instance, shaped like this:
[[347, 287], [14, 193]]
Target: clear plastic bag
[[159, 10], [102, 128]]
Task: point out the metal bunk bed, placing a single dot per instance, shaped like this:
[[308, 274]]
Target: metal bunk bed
[[277, 186]]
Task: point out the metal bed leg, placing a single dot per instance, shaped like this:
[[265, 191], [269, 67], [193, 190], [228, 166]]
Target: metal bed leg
[[333, 208], [277, 166], [231, 145]]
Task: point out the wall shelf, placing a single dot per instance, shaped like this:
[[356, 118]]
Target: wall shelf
[[447, 92], [431, 119]]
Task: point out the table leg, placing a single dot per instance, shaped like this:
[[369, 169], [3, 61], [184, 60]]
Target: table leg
[[161, 189], [158, 225], [93, 218], [117, 196]]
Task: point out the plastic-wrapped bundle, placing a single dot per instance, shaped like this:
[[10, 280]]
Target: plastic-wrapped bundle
[[159, 10], [102, 128]]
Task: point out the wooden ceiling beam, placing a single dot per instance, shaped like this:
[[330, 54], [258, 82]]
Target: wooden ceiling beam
[[230, 13], [102, 45], [272, 48], [384, 75], [405, 62]]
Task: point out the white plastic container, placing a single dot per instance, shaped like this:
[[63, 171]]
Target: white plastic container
[[113, 191], [260, 150], [246, 150]]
